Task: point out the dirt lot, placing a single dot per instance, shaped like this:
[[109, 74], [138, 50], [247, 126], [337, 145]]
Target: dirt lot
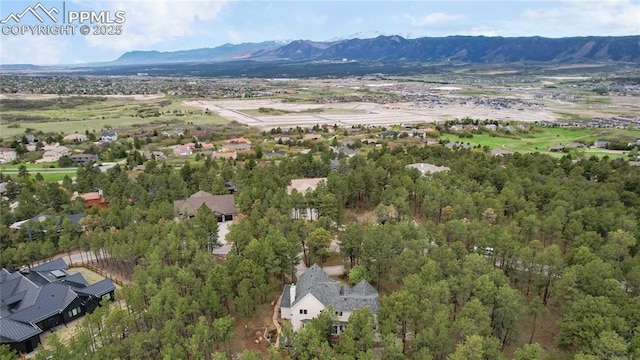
[[359, 113]]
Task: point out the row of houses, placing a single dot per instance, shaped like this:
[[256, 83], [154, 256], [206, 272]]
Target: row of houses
[[52, 153]]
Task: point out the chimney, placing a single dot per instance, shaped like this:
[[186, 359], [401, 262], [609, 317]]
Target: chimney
[[292, 293]]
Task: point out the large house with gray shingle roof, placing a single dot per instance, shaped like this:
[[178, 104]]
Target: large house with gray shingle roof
[[315, 291], [224, 206], [43, 297]]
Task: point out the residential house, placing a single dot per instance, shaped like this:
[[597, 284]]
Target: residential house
[[302, 186], [74, 138], [53, 153], [500, 152], [236, 147], [109, 136], [456, 128], [95, 198], [224, 155], [156, 155], [491, 127], [84, 158], [574, 145], [634, 144], [42, 297], [556, 148], [183, 150], [224, 206], [41, 218], [7, 155], [30, 138], [173, 133], [315, 291], [428, 169], [389, 133], [601, 144]]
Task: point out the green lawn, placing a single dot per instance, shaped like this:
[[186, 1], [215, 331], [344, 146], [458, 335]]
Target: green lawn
[[49, 171], [541, 140], [30, 167]]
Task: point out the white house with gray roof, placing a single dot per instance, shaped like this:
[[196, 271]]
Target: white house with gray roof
[[315, 291]]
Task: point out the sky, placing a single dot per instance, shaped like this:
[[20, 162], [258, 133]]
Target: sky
[[164, 25]]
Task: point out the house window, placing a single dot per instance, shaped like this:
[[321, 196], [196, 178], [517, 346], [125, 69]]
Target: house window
[[339, 313], [303, 311], [73, 312]]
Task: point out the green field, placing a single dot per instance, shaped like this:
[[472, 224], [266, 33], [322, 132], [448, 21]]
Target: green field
[[49, 171], [66, 116], [543, 138]]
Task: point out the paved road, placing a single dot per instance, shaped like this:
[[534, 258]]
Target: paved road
[[76, 257]]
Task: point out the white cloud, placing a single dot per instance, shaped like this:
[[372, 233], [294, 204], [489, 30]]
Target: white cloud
[[234, 37], [577, 18], [33, 49], [484, 31], [431, 19], [150, 23]]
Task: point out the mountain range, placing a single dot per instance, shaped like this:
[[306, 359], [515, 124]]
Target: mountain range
[[465, 49]]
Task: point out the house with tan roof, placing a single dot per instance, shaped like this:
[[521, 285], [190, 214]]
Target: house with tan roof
[[53, 153], [224, 206], [95, 198], [74, 138], [183, 150], [236, 147], [224, 155], [7, 155]]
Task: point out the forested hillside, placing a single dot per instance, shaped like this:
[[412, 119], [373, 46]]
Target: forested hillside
[[466, 261]]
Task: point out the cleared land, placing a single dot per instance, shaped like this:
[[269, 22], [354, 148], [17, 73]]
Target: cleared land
[[360, 113], [78, 114]]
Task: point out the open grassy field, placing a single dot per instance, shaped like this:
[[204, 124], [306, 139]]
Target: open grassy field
[[543, 138], [49, 171], [75, 114]]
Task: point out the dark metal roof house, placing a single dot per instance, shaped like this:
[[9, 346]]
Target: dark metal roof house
[[42, 297]]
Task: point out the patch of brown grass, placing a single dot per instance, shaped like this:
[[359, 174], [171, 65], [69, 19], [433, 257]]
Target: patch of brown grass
[[545, 334]]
